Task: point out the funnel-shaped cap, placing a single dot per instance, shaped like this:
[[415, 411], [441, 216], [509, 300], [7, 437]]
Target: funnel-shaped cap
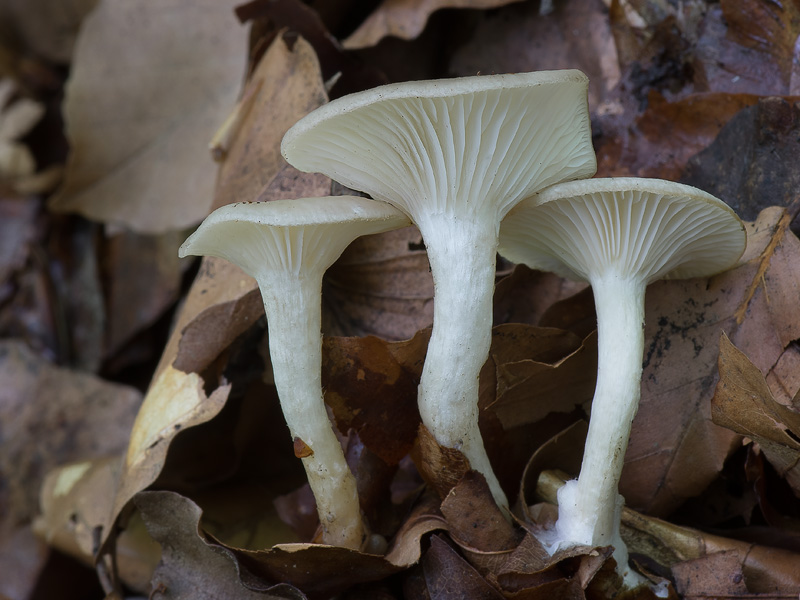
[[456, 146], [648, 228]]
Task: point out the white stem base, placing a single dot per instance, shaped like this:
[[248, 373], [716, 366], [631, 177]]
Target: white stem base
[[589, 507], [462, 255], [293, 309]]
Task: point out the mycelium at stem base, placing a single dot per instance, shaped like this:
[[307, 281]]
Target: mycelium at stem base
[[463, 265], [295, 314], [589, 507]]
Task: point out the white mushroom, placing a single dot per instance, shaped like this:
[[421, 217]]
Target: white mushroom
[[619, 235], [455, 155], [287, 245]]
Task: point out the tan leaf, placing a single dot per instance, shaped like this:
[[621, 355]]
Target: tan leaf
[[148, 88], [406, 19], [285, 85], [675, 450], [174, 402], [743, 402]]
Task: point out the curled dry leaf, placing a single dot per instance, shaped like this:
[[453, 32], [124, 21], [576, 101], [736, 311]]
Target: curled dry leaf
[[285, 85], [148, 88], [321, 570], [675, 450], [405, 19], [192, 568], [449, 577], [743, 403], [174, 402]]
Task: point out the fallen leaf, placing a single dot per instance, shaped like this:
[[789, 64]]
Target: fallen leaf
[[448, 576], [144, 279], [519, 39], [174, 402], [190, 567], [718, 574], [382, 286], [660, 142], [23, 557], [285, 86], [675, 450], [743, 403], [740, 166], [474, 520], [148, 88], [50, 416], [372, 392], [405, 19], [18, 232], [749, 47]]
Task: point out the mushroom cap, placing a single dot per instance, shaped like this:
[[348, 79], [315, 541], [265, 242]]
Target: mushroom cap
[[289, 235], [649, 228], [466, 145]]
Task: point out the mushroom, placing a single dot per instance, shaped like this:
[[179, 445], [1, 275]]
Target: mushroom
[[455, 155], [619, 234], [287, 245]]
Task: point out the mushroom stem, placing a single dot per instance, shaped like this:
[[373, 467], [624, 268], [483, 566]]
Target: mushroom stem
[[589, 507], [462, 255], [293, 305]]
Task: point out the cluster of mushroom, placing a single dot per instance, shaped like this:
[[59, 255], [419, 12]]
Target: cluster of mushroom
[[477, 164]]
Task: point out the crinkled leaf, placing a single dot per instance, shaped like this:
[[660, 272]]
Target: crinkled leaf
[[743, 402]]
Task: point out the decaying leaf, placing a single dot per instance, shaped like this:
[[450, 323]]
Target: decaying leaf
[[139, 143], [190, 567], [743, 402], [405, 19], [675, 449]]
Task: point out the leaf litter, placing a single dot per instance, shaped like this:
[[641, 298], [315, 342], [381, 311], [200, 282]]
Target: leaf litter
[[673, 94]]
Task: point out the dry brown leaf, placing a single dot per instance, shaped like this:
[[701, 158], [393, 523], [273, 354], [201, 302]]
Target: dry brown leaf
[[518, 39], [285, 85], [743, 403], [372, 392], [148, 88], [449, 577], [406, 19], [50, 416], [174, 402], [753, 180], [381, 285], [660, 142], [17, 233], [746, 46], [23, 557], [474, 520], [718, 574], [675, 450], [322, 570], [191, 568]]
